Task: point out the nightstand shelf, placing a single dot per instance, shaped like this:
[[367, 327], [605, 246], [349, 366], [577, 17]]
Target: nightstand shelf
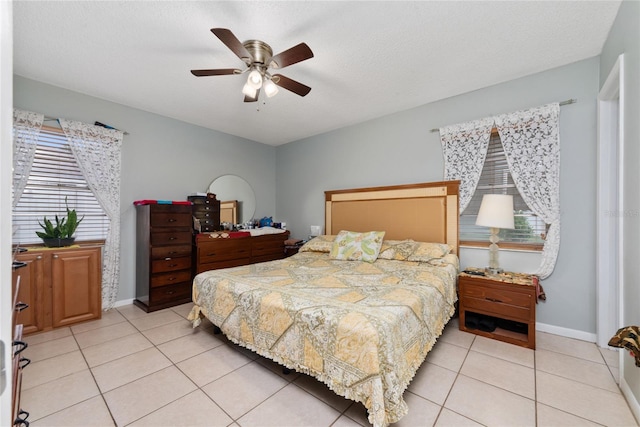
[[501, 307]]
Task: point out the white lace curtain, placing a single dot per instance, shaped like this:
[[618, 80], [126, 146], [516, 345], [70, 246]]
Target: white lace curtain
[[26, 127], [465, 148], [531, 143], [98, 152]]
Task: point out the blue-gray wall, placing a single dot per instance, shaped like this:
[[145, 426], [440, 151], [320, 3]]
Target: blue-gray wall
[[401, 149], [625, 38], [162, 158]]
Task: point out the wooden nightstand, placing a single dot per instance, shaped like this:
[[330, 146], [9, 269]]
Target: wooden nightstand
[[500, 306]]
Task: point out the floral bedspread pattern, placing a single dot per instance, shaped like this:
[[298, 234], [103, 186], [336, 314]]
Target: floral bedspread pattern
[[361, 328]]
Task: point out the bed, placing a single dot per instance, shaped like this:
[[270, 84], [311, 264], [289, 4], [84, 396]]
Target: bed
[[361, 322]]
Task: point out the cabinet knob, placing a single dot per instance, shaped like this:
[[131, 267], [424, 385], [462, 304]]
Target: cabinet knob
[[39, 257], [172, 220], [56, 257], [172, 238]]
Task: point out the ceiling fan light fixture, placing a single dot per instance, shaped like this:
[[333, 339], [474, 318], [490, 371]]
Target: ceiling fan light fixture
[[249, 91], [270, 88], [255, 79]]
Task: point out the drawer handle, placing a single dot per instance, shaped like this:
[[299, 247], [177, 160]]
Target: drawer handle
[[172, 253], [173, 265], [172, 220], [22, 345], [171, 279], [172, 238], [212, 254], [170, 292], [21, 419], [24, 362], [493, 299], [21, 306]]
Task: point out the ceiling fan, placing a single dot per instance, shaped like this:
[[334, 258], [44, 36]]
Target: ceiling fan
[[259, 58]]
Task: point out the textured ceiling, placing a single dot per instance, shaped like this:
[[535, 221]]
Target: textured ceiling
[[371, 58]]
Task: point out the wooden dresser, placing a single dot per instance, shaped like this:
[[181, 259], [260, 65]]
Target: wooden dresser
[[163, 255], [215, 253]]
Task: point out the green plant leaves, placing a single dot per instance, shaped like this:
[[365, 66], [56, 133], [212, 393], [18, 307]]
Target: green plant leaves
[[64, 228]]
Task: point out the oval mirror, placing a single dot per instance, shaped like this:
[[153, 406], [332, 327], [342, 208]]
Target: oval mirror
[[233, 187]]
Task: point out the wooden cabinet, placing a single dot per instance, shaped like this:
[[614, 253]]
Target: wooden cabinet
[[62, 287], [501, 307], [206, 210], [163, 255], [19, 362], [215, 253]]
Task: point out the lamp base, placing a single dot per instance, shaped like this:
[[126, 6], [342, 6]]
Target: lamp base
[[494, 270]]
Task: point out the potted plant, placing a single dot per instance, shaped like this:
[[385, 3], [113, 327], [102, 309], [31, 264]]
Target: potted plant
[[62, 233]]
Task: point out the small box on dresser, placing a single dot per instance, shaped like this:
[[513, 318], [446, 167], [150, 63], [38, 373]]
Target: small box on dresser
[[163, 255], [506, 299], [206, 209]]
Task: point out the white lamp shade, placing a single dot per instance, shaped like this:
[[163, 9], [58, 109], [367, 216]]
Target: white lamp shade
[[255, 79], [496, 210], [270, 88], [249, 91]]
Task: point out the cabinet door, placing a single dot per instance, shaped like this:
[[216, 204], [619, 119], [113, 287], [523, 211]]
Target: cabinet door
[[31, 291], [76, 284]]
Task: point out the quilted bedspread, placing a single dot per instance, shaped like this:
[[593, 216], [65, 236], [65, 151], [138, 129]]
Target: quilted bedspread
[[361, 328]]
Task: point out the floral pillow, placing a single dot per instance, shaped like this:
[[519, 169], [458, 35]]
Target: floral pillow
[[410, 250], [318, 244], [353, 246], [398, 250], [428, 251]]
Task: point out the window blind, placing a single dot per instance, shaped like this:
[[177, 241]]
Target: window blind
[[496, 179], [54, 177]]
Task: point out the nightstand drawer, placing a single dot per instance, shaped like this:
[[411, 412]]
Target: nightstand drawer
[[498, 309], [496, 295]]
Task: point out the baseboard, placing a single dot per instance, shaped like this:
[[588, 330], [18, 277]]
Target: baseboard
[[631, 399], [566, 332], [123, 302]]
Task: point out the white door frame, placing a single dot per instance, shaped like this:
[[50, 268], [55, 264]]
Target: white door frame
[[610, 205], [6, 163]]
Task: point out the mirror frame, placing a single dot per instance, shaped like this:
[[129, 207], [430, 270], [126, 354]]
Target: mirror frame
[[245, 197]]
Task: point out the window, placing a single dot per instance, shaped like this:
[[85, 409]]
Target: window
[[496, 179], [54, 177]]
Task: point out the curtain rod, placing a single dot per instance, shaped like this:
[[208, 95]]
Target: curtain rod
[[49, 119], [567, 102]]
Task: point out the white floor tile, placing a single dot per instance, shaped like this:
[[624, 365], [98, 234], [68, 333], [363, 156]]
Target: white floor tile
[[148, 394], [161, 372], [490, 405], [290, 406], [193, 410]]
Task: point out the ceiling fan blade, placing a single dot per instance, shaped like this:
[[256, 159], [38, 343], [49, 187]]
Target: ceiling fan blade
[[217, 72], [290, 84], [291, 56], [232, 42], [250, 99]]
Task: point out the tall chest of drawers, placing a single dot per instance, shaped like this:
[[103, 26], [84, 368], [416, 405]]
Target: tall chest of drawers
[[163, 255], [206, 209]]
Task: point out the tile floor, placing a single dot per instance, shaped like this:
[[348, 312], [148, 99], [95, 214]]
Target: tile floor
[[131, 368]]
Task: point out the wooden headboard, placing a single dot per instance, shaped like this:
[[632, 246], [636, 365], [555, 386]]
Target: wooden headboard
[[426, 212]]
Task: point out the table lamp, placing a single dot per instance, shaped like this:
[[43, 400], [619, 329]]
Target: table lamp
[[496, 212]]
